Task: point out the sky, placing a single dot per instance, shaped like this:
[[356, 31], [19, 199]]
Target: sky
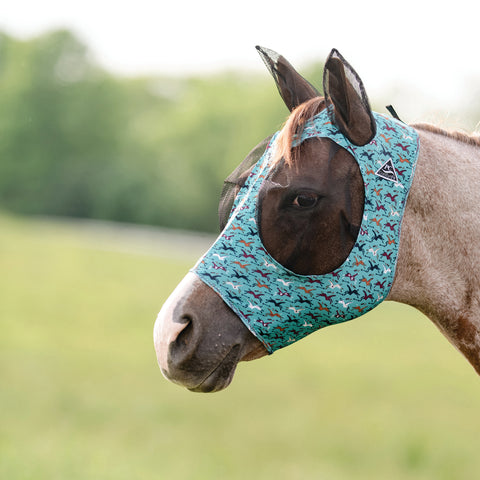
[[424, 54]]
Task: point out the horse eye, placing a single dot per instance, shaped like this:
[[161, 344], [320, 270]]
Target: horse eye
[[305, 200]]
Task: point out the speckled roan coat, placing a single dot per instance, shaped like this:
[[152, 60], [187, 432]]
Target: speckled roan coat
[[199, 340], [438, 269]]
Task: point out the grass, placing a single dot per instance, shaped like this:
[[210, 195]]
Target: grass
[[81, 396]]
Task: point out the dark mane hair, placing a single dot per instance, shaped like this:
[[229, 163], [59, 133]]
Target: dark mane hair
[[460, 136]]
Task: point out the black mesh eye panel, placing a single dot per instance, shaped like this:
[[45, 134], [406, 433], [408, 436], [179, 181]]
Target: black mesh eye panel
[[236, 180]]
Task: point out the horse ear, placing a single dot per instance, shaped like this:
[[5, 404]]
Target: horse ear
[[344, 89], [293, 88]]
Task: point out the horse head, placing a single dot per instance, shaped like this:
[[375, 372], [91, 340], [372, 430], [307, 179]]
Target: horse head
[[296, 205]]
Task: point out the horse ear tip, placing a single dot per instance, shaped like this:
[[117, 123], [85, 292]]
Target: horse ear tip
[[262, 51], [335, 55], [267, 52], [269, 57]]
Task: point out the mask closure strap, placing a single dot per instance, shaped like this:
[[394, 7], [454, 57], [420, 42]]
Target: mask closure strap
[[393, 113]]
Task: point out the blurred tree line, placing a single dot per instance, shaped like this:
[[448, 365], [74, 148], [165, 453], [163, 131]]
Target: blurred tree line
[[76, 140]]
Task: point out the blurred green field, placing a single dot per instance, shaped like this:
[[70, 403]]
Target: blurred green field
[[81, 396]]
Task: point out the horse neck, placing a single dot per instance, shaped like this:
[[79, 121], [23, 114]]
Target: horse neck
[[438, 269]]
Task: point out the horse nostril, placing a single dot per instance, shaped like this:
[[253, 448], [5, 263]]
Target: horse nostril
[[184, 336]]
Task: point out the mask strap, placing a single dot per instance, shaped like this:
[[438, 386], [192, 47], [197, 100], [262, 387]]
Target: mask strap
[[393, 113]]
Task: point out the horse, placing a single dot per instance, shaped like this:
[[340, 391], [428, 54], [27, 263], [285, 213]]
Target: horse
[[310, 216]]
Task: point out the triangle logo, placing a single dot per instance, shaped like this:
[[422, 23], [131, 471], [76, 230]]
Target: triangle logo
[[387, 171]]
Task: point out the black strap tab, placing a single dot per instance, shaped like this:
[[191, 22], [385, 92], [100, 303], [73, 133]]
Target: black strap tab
[[393, 113]]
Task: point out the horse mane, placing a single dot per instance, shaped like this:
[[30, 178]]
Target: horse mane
[[294, 126], [473, 140]]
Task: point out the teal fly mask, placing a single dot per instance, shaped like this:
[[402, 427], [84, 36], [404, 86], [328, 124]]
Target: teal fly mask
[[279, 306]]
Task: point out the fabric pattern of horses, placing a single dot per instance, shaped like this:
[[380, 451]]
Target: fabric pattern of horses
[[317, 229], [279, 306]]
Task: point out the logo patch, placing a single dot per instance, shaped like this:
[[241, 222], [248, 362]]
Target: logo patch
[[387, 171]]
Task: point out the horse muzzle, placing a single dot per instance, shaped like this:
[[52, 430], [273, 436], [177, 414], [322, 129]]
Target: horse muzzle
[[199, 340]]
